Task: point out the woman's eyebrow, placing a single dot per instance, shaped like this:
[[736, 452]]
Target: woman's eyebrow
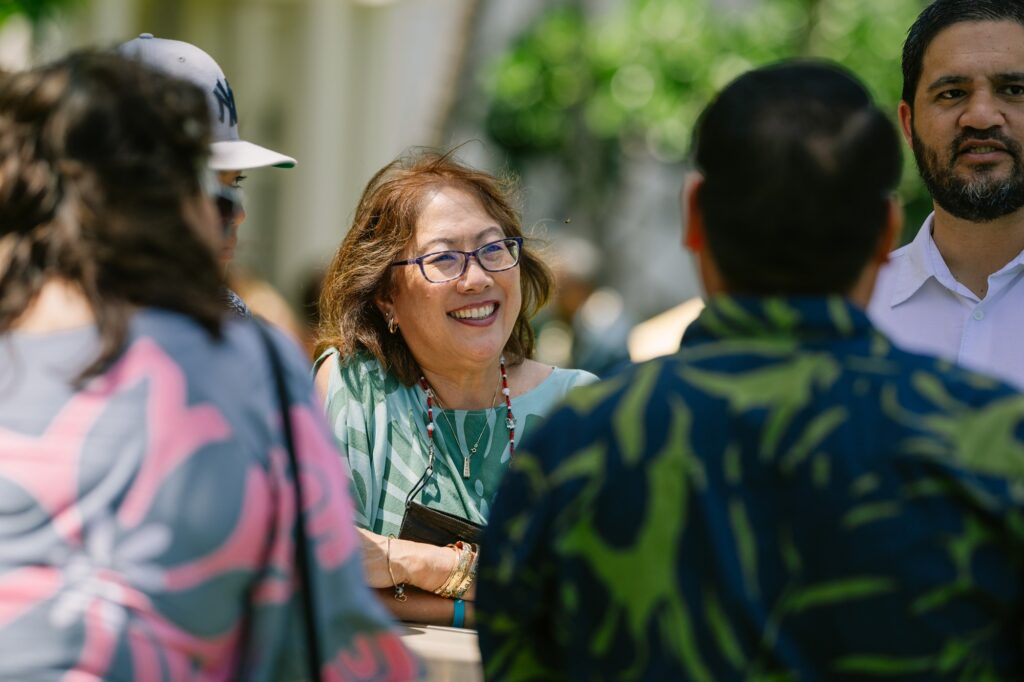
[[449, 244]]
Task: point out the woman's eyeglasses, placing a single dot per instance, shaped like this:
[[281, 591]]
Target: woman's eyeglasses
[[444, 266]]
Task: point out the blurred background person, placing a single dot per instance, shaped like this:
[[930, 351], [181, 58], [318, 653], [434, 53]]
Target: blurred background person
[[230, 156], [585, 325], [426, 347], [789, 496], [148, 506], [263, 300], [312, 287]]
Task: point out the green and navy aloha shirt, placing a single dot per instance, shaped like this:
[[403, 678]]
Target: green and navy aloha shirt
[[789, 497]]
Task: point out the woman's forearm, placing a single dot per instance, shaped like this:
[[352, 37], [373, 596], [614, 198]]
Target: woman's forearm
[[423, 607], [393, 561], [422, 565]]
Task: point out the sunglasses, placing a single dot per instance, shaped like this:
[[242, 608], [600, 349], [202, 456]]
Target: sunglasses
[[229, 205], [228, 200]]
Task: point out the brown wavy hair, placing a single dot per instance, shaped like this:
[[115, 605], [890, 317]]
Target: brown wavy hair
[[98, 156], [384, 224]]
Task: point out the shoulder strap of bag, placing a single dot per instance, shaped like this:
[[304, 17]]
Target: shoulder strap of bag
[[302, 546], [422, 483]]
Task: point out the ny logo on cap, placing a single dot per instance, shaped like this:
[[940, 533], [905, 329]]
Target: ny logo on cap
[[226, 100]]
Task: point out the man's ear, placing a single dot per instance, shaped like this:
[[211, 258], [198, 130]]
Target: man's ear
[[693, 211], [906, 116]]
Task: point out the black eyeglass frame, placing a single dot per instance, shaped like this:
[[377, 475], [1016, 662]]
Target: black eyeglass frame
[[418, 260]]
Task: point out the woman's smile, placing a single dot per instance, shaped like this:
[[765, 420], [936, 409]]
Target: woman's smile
[[476, 314]]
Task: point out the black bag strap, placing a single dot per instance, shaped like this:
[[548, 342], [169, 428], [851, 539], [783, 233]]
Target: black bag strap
[[302, 547], [427, 473]]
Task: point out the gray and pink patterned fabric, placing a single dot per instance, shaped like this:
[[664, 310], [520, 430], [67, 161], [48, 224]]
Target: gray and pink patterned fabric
[[147, 519]]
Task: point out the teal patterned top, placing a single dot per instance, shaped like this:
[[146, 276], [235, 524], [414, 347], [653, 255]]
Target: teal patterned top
[[380, 425], [789, 497]]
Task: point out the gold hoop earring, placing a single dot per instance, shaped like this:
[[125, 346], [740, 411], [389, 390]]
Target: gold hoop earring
[[392, 325]]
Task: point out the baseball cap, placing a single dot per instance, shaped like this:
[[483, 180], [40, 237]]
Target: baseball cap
[[187, 62]]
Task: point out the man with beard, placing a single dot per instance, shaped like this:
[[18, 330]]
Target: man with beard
[[957, 290]]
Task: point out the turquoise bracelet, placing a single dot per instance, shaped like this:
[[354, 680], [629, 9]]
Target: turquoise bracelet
[[459, 617]]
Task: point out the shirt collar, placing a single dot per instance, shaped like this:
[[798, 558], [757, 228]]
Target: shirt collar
[[796, 318], [1011, 268], [923, 261]]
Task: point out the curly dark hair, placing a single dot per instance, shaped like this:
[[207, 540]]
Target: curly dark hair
[[98, 156], [384, 224]]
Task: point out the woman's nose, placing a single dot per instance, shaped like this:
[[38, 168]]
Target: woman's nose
[[475, 277]]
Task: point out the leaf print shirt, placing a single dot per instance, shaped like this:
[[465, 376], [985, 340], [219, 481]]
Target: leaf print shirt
[[789, 497]]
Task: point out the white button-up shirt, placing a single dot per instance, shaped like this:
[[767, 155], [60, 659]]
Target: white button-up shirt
[[919, 304]]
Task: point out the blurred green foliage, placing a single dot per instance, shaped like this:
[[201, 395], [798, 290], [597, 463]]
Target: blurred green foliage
[[581, 85], [33, 10]]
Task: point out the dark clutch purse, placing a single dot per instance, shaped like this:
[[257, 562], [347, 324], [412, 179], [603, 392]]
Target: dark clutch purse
[[423, 524]]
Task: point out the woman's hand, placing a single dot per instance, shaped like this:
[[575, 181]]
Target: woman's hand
[[412, 563]]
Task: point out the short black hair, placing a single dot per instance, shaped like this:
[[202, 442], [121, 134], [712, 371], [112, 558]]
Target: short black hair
[[939, 16], [799, 165]]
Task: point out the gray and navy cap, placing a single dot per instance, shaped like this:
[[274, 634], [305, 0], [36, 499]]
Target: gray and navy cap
[[187, 62]]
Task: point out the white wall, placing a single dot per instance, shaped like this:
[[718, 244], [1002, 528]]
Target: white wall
[[342, 85]]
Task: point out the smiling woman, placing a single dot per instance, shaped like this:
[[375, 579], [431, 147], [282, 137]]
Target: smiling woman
[[425, 368]]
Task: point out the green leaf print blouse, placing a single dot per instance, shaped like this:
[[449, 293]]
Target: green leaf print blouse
[[380, 425]]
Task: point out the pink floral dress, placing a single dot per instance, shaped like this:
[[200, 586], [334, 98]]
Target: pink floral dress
[[147, 518]]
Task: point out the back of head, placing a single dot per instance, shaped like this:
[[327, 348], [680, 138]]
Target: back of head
[[799, 167], [98, 159], [939, 16]]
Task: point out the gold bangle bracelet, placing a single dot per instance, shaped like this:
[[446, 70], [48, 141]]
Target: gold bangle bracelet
[[458, 574], [446, 587], [399, 589], [470, 575]]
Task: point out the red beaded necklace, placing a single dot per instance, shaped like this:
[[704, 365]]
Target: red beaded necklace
[[510, 420]]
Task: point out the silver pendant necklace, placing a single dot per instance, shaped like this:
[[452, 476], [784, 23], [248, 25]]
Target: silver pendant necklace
[[466, 457], [510, 422]]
